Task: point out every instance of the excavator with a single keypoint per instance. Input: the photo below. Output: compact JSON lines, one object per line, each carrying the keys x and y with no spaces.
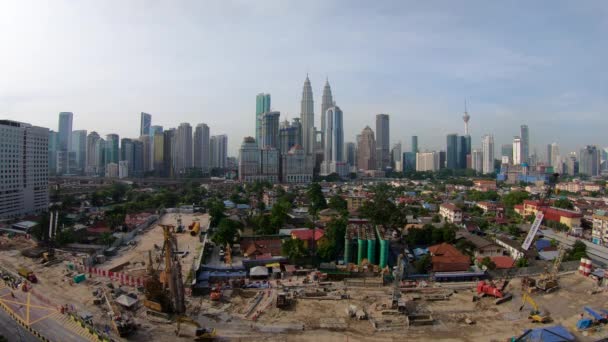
{"x":201,"y":334}
{"x":485,"y":288}
{"x":535,"y":316}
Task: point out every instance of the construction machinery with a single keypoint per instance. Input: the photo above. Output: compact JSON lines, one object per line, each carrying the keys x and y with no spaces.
{"x":201,"y":334}
{"x":491,"y":289}
{"x":284,"y":300}
{"x":535,"y":316}
{"x":397,"y":302}
{"x":167,"y":288}
{"x":48,"y":257}
{"x":27,"y":274}
{"x":548,"y":281}
{"x":216,"y":293}
{"x":122,"y":324}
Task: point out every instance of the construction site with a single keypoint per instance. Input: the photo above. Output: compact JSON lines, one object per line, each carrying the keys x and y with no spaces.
{"x":141,"y":291}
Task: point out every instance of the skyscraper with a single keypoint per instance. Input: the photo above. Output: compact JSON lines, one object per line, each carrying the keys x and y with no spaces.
{"x":350,"y":154}
{"x":427,"y":161}
{"x":477,"y":160}
{"x":270,"y":130}
{"x":487,"y":147}
{"x":383,"y":159}
{"x":24,"y":185}
{"x":452,"y":151}
{"x":52,"y":152}
{"x":262,"y":106}
{"x":145,"y":123}
{"x":414,"y":144}
{"x":589,"y":161}
{"x":155,"y":129}
{"x":93,"y":154}
{"x":334,"y":141}
{"x":249,"y":160}
{"x":201,"y":147}
{"x":396,"y":156}
{"x":219,"y":151}
{"x":517,"y":157}
{"x":290,"y":135}
{"x":158,"y":142}
{"x":525,"y":144}
{"x":112,"y":149}
{"x":168,"y":149}
{"x":184,"y":147}
{"x":65,"y":131}
{"x":555,"y":158}
{"x":506,"y":153}
{"x":366,"y":150}
{"x":307,"y":116}
{"x":327,"y":101}
{"x":79,"y":147}
{"x":127,"y":154}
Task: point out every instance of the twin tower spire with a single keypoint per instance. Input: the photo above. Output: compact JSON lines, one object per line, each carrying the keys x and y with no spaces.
{"x":307,"y":114}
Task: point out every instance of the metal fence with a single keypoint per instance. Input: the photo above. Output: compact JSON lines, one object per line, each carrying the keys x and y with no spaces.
{"x":566,"y":266}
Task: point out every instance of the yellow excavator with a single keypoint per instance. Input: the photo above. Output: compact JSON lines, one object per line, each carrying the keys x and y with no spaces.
{"x":201,"y":334}
{"x":535,"y":315}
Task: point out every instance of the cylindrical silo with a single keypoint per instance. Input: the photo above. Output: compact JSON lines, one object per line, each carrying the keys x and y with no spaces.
{"x":361,"y":250}
{"x":347,"y":247}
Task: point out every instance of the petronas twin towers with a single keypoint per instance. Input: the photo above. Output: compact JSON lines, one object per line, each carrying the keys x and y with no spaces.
{"x":307,"y":115}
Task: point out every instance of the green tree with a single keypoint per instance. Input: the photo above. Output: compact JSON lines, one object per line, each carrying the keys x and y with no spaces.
{"x":515,"y":197}
{"x":293,"y":249}
{"x":423,"y":264}
{"x":278,"y":214}
{"x":436,"y":218}
{"x":339,"y":204}
{"x":521,"y":262}
{"x":466,"y":247}
{"x":334,"y":239}
{"x":107,"y":238}
{"x":488,"y":263}
{"x":216,"y":211}
{"x":578,"y":251}
{"x":316,"y":199}
{"x":563,"y":203}
{"x":226,"y":232}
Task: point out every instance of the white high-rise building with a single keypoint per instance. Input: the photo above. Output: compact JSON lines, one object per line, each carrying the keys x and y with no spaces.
{"x":123,"y":169}
{"x":427,"y":161}
{"x":307,"y":116}
{"x":487,"y":147}
{"x":334,"y":141}
{"x":249,"y":161}
{"x":24,"y":166}
{"x":296,"y":166}
{"x":93,"y":155}
{"x":477,"y":160}
{"x":517,"y":158}
{"x":556,"y":160}
{"x":201,"y":147}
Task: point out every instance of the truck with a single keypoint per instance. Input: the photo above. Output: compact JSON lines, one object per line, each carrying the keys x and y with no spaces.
{"x":27,"y":274}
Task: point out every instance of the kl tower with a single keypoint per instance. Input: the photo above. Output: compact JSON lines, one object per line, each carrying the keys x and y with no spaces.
{"x":466,"y":117}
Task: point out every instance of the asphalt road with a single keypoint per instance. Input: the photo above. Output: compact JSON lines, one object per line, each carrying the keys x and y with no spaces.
{"x":13,"y":331}
{"x":597,"y":253}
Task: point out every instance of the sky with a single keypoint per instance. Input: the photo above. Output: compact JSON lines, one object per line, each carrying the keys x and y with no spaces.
{"x":540,"y":63}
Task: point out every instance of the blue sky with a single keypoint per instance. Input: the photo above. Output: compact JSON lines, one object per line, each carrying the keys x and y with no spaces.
{"x":540,"y":63}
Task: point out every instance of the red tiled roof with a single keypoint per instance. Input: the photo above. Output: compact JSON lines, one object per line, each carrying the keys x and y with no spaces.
{"x":446,"y":258}
{"x":307,"y":234}
{"x":554,"y":214}
{"x":450,"y":206}
{"x":501,"y":262}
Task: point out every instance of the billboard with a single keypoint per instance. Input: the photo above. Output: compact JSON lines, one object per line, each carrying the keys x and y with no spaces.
{"x":528,"y":241}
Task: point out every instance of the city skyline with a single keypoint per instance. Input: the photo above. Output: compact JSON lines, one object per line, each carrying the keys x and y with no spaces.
{"x":496,"y":72}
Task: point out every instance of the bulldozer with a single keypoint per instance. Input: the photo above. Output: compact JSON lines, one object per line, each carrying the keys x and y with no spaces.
{"x":535,"y":316}
{"x":200,"y":334}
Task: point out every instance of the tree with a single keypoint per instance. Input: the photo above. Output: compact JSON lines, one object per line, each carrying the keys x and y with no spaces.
{"x":488,"y":263}
{"x":316,"y":199}
{"x":216,"y":211}
{"x":334,"y":239}
{"x":293,"y":249}
{"x":578,"y":251}
{"x":107,"y":238}
{"x":515,"y":197}
{"x":226,"y":232}
{"x":423,"y":264}
{"x":563,"y":203}
{"x":466,"y":247}
{"x":436,"y":218}
{"x":278,"y":214}
{"x":521,"y":262}
{"x":339,"y":204}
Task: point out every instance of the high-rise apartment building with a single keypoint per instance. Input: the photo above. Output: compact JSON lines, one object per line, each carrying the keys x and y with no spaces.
{"x":201,"y":147}
{"x":366,"y":150}
{"x":249,"y":160}
{"x":307,"y":117}
{"x":414,"y":144}
{"x":24,"y":169}
{"x":145,"y":123}
{"x":290,"y":135}
{"x":159,"y":152}
{"x":168,"y":150}
{"x":334,"y":141}
{"x":262,"y":106}
{"x":93,"y":154}
{"x":79,"y":148}
{"x":589,"y":161}
{"x":184,"y":148}
{"x":427,"y":161}
{"x":487,"y":147}
{"x":477,"y":160}
{"x":383,"y":159}
{"x":525,"y":144}
{"x":517,"y":157}
{"x":270,"y":130}
{"x":219,"y":151}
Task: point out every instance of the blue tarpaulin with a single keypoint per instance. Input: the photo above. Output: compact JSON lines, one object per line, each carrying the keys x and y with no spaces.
{"x":556,"y":333}
{"x":542,"y":244}
{"x":584,"y":323}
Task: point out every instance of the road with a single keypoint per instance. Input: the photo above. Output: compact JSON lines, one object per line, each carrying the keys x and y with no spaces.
{"x":41,"y":317}
{"x":13,"y":331}
{"x":597,"y":253}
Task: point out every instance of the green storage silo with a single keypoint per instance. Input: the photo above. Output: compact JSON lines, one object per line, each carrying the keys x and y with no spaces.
{"x":383,"y":253}
{"x":347,"y":248}
{"x":371,"y":251}
{"x":361,"y":250}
